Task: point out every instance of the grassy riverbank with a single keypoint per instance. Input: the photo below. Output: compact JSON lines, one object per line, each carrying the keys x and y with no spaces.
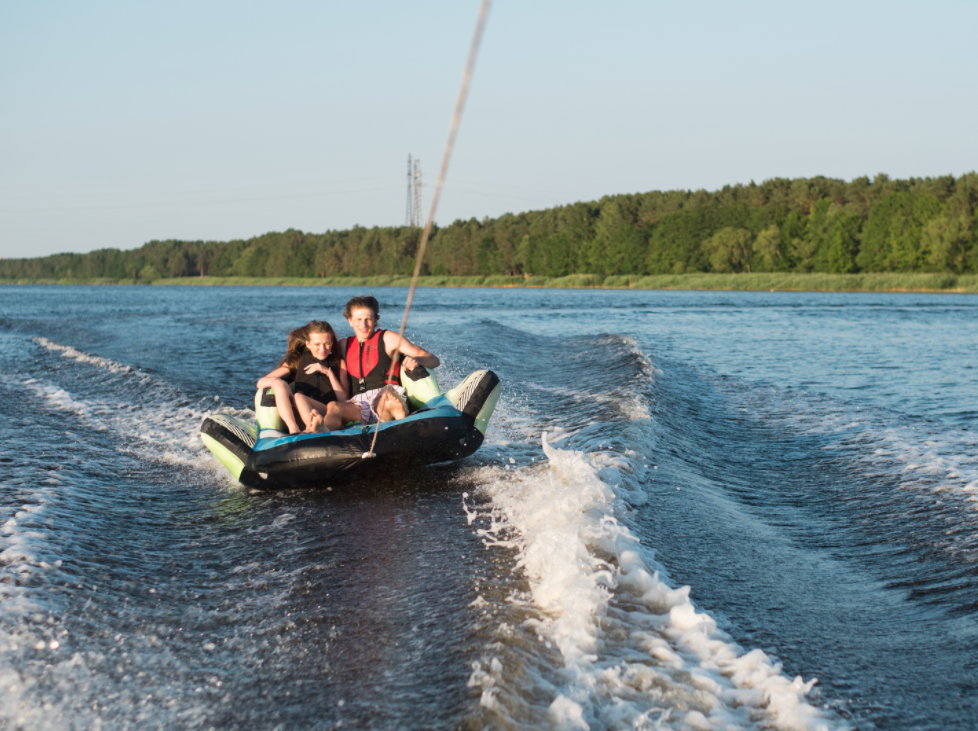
{"x":787,"y":281}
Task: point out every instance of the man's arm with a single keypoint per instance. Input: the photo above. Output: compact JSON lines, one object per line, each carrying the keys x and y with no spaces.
{"x":413,"y":355}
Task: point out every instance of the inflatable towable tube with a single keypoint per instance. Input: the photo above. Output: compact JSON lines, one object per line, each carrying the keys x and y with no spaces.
{"x":440,"y":428}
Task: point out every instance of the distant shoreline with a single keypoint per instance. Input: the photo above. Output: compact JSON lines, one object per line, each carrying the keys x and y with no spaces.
{"x":760,"y":282}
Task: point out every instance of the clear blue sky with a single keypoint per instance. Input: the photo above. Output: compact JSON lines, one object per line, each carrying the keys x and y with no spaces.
{"x":123,"y":122}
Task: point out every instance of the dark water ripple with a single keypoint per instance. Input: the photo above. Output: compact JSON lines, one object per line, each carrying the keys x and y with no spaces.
{"x":846,"y":574}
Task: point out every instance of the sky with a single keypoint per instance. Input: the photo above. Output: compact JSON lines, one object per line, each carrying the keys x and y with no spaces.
{"x":125,"y":122}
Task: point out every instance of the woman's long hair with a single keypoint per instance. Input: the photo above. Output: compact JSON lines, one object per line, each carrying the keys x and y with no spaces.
{"x":295,"y":348}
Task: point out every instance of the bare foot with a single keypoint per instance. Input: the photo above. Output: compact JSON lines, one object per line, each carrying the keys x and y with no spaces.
{"x":315,"y":422}
{"x":392,"y":408}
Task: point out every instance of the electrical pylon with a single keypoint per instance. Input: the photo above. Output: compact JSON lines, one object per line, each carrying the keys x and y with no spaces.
{"x":409,"y":214}
{"x":417,"y":208}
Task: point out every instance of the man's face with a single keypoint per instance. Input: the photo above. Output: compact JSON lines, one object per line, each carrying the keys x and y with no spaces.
{"x":363,"y":322}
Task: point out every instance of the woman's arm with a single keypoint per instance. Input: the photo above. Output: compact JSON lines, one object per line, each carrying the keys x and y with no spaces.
{"x":278,"y":374}
{"x":341,"y":382}
{"x":410,"y":351}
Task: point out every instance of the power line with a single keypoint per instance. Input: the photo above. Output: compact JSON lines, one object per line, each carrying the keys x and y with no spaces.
{"x":199,"y":203}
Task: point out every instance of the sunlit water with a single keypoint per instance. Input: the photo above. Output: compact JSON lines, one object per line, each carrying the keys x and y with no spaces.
{"x":693,"y":510}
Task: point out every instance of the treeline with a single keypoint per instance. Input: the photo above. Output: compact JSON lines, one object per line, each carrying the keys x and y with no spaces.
{"x":802,"y":225}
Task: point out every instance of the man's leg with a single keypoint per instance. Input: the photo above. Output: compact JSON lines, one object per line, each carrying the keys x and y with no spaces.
{"x":390,"y":407}
{"x":339,"y":413}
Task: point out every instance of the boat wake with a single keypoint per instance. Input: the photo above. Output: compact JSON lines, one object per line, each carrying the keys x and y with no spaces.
{"x":634,"y":650}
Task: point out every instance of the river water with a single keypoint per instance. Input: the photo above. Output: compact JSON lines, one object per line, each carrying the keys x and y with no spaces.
{"x":693,"y":510}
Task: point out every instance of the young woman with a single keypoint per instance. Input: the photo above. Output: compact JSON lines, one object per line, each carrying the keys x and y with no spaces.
{"x":279,"y":379}
{"x":321,"y":378}
{"x":374,"y":377}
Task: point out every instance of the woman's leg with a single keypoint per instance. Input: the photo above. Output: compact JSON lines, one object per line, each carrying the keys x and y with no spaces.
{"x":306,"y":406}
{"x":283,"y":403}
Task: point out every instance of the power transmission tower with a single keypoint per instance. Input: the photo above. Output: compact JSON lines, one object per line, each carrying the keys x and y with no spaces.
{"x":417,"y":208}
{"x":409,"y":214}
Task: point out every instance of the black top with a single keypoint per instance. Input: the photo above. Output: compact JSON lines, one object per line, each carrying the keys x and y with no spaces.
{"x":315,"y":385}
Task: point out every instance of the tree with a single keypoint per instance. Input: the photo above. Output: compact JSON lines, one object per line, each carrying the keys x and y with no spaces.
{"x":947,"y":241}
{"x":892,"y":234}
{"x":804,"y":252}
{"x":813,"y":253}
{"x":559,"y":255}
{"x":149,"y":273}
{"x":730,"y":250}
{"x":844,"y":244}
{"x":806,"y":224}
{"x":768,"y":250}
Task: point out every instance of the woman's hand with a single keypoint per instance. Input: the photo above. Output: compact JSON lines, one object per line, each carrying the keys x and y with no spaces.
{"x":278,"y":374}
{"x":316,"y":368}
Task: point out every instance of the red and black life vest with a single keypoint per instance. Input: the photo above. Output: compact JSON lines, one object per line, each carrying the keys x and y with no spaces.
{"x":369,"y":365}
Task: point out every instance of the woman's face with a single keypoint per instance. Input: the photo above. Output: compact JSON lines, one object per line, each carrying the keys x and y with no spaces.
{"x":320,"y":344}
{"x":363,"y":322}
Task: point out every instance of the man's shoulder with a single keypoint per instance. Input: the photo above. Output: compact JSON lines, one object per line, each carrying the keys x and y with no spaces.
{"x":391,"y":337}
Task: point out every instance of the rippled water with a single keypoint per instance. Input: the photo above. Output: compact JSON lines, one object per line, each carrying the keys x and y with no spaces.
{"x":737,"y":495}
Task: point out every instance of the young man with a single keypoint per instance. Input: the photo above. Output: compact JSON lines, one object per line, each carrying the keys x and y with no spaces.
{"x":376,"y":393}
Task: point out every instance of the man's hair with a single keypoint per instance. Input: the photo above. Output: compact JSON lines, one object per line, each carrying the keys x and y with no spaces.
{"x":358,"y":303}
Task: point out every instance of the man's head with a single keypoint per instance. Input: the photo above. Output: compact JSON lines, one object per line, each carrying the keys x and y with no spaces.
{"x":358,"y":303}
{"x":362,"y":313}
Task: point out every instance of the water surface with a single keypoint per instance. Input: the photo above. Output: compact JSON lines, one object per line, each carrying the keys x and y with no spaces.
{"x":741,"y":493}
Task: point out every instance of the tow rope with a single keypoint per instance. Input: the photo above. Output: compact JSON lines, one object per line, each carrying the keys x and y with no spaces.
{"x":449,"y":145}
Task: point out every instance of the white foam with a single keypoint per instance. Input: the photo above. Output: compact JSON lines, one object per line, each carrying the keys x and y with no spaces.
{"x":26,"y":547}
{"x":925,"y":458}
{"x":280,"y":521}
{"x":166,"y":429}
{"x":68,"y":351}
{"x":636,"y":652}
{"x":60,"y":400}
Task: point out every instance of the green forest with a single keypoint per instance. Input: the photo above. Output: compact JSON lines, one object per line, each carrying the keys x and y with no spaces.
{"x":917,"y":225}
